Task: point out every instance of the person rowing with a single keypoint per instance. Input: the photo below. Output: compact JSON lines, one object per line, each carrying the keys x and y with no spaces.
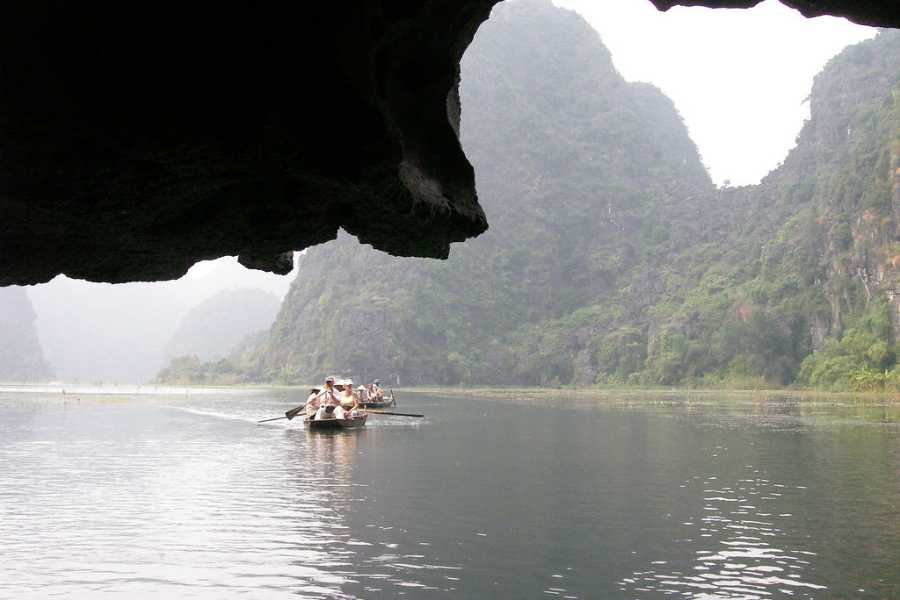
{"x":313,"y":401}
{"x":329,"y":404}
{"x":319,"y":398}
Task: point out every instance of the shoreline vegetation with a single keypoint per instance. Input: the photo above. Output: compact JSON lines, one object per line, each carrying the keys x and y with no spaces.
{"x":857,"y":378}
{"x":488,"y":392}
{"x":654,"y":392}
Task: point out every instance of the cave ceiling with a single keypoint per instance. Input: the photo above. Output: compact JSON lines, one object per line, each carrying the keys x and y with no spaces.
{"x":140,"y":138}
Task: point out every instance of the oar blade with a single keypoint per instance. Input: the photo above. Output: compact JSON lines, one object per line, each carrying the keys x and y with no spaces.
{"x":294,"y":412}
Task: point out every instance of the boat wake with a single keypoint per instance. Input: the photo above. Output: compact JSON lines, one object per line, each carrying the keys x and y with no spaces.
{"x":248,"y":418}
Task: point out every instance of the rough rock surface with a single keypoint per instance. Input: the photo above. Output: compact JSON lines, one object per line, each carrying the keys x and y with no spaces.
{"x":865,"y":12}
{"x":138,"y":139}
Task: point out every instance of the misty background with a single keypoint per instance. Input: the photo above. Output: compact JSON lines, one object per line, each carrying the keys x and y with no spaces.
{"x":738,"y":78}
{"x":100,"y":332}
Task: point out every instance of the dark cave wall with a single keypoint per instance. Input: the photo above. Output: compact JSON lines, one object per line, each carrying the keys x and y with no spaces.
{"x":139,"y":138}
{"x":878,"y":13}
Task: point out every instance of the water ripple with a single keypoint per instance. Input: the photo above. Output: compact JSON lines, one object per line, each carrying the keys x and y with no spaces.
{"x":185,"y":496}
{"x":746,"y":563}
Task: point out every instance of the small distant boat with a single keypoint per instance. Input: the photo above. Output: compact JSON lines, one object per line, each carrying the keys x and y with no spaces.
{"x":386,"y":403}
{"x":324,"y":424}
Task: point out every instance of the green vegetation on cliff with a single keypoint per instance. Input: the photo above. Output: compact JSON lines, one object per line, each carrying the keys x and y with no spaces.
{"x":214,"y":334}
{"x":611,"y":257}
{"x":810,"y":296}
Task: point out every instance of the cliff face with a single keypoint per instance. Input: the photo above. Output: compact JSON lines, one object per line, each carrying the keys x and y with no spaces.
{"x":21,"y":358}
{"x":848,"y":237}
{"x":812,"y":258}
{"x":611,"y":257}
{"x":857,"y":135}
{"x":574,"y":166}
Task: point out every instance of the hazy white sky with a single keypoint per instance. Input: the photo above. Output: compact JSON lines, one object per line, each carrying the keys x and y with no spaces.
{"x":738,"y":77}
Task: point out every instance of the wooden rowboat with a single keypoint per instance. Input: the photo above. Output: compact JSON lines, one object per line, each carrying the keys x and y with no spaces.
{"x":386,"y":403}
{"x":325,"y":424}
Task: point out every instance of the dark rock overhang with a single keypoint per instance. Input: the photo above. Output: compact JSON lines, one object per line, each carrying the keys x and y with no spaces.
{"x":877,"y":13}
{"x":140,"y":138}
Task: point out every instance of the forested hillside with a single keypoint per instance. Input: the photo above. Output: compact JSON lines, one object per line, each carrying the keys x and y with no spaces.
{"x":804,"y":291}
{"x":574,"y":168}
{"x":221,"y":326}
{"x":213,"y":328}
{"x":611,"y":257}
{"x":21,"y":357}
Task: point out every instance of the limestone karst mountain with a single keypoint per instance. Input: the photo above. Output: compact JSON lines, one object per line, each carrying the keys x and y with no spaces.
{"x":575,"y":168}
{"x":611,"y":257}
{"x":21,"y":357}
{"x":213,"y":328}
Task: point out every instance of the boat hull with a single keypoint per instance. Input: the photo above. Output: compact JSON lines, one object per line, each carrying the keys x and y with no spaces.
{"x":375,"y":405}
{"x":333,"y":424}
{"x":388,"y":403}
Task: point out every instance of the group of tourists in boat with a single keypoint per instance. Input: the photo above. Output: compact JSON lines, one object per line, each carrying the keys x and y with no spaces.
{"x":338,"y":404}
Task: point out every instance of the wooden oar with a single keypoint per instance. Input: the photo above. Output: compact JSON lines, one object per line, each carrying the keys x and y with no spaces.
{"x":288,"y":415}
{"x":294,"y":412}
{"x":396,"y":414}
{"x":275,"y":419}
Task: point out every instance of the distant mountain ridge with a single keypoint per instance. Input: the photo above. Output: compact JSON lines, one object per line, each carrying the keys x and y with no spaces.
{"x":213,"y":328}
{"x":611,"y":257}
{"x":21,"y":356}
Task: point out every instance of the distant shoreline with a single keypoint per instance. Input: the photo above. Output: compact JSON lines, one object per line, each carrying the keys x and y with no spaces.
{"x":633,"y":392}
{"x":599,"y":392}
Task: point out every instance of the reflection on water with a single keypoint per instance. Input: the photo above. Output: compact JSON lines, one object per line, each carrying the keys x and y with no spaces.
{"x":746,"y":556}
{"x":185,"y":496}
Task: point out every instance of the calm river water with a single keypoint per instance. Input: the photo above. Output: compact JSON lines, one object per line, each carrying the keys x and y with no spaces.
{"x":185,"y":496}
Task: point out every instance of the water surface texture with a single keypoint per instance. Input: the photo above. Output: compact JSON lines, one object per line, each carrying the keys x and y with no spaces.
{"x":183,"y":495}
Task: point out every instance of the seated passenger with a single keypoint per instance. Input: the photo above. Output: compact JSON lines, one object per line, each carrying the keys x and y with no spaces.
{"x":362,"y":395}
{"x":378,"y":395}
{"x":349,"y":401}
